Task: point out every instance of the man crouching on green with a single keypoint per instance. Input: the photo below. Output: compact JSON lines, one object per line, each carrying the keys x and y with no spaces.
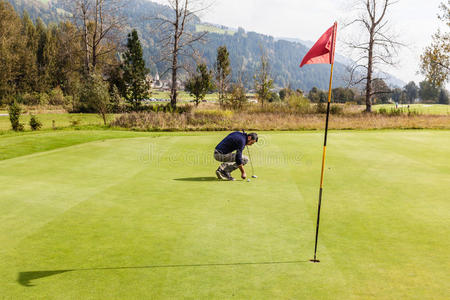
{"x":231,"y":161}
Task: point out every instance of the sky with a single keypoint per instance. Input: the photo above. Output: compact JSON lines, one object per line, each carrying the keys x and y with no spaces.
{"x":413,"y":21}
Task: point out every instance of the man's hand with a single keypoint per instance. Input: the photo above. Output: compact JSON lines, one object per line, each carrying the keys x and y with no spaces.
{"x":243,"y":175}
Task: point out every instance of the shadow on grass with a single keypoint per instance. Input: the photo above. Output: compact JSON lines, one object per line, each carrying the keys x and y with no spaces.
{"x":26,"y":278}
{"x":198,"y":179}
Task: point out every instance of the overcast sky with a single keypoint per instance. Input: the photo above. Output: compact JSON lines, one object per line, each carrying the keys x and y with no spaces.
{"x":415,"y":21}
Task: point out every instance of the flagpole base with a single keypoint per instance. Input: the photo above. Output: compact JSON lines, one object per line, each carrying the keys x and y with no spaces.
{"x":314,"y":260}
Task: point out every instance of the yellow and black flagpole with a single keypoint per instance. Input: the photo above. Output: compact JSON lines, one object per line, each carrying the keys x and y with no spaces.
{"x":323,"y":166}
{"x":315,"y":260}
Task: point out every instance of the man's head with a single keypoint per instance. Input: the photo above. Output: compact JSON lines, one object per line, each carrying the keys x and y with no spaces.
{"x":252,"y":138}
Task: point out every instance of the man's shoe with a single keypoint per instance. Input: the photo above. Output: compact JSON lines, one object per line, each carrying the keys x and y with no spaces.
{"x":221,"y":174}
{"x":228,"y":175}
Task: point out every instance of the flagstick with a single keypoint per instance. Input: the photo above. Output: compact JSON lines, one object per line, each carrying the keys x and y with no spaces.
{"x":315,"y":260}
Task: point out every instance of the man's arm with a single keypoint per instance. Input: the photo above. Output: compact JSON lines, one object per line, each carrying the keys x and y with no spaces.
{"x":243,"y":174}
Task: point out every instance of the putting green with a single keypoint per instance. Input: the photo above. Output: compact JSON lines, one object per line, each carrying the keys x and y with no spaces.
{"x":141,"y":216}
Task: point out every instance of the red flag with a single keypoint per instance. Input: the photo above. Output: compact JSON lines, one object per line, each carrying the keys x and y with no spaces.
{"x":323,"y":50}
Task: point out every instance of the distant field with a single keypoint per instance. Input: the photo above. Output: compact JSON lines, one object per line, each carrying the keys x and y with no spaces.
{"x":61,"y":120}
{"x":434,"y":109}
{"x":213,"y":29}
{"x":182,"y":96}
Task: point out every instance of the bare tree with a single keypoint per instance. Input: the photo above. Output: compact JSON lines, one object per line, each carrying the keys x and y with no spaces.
{"x":99,"y":23}
{"x":263,"y":80}
{"x":178,"y":40}
{"x":376,"y":44}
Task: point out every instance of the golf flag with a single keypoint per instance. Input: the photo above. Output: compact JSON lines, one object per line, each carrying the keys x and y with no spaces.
{"x":322,"y":53}
{"x":323,"y":50}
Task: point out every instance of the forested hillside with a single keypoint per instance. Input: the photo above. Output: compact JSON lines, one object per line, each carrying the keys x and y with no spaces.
{"x":244,"y":47}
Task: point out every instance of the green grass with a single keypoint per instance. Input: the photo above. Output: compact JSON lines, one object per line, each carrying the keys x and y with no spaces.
{"x":141,"y":216}
{"x":213,"y":29}
{"x":428,"y":109}
{"x":61,"y":120}
{"x":182,"y":96}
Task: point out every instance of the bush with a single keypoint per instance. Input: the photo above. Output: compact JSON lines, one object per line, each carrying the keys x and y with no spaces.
{"x":321,"y":108}
{"x":14,"y":116}
{"x":56,"y":96}
{"x":299,"y":103}
{"x":336,"y":109}
{"x":35,"y":124}
{"x":30,"y":98}
{"x":44,"y":99}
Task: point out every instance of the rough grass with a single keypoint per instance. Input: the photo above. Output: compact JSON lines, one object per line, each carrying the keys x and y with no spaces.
{"x":276,"y":121}
{"x":275,"y":116}
{"x":144,"y":218}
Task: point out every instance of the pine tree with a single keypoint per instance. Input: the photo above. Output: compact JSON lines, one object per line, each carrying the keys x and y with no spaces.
{"x":134,"y":75}
{"x":27,"y":77}
{"x":10,"y":41}
{"x":201,"y":83}
{"x":223,"y":72}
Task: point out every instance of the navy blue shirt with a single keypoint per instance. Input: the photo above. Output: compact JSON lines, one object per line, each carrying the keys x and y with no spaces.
{"x":234,"y":141}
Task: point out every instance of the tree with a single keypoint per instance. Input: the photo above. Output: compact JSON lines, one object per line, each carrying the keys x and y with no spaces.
{"x":411,"y":91}
{"x":15,"y":111}
{"x":381,"y":90}
{"x":134,"y":71}
{"x":201,"y":83}
{"x":376,"y":46}
{"x":396,"y":95}
{"x":443,"y":97}
{"x":27,"y":77}
{"x":343,"y":95}
{"x":223,"y":72}
{"x":317,"y":96}
{"x":263,"y":81}
{"x":238,"y":97}
{"x":10,"y":42}
{"x":99,"y":23}
{"x":436,"y":58}
{"x":177,"y":40}
{"x":96,"y":95}
{"x":428,"y":92}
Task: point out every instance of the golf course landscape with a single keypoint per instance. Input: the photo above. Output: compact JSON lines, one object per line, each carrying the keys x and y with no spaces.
{"x":105,"y":214}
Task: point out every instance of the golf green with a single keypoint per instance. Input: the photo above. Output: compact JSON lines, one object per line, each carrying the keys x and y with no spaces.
{"x":125,"y":215}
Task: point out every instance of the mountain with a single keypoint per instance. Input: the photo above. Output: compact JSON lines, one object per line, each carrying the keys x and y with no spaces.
{"x":245,"y":47}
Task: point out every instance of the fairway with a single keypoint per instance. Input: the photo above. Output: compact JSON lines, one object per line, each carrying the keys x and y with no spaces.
{"x":128,"y":215}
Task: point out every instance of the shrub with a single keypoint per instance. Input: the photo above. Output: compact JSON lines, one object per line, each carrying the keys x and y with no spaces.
{"x":31,"y":98}
{"x":14,"y":116}
{"x":382,"y":111}
{"x":299,"y":103}
{"x":44,"y":99}
{"x":56,"y":96}
{"x":336,"y":109}
{"x":321,"y":108}
{"x":35,"y":124}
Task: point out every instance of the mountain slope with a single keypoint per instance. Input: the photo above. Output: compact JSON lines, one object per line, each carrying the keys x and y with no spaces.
{"x":244,"y":47}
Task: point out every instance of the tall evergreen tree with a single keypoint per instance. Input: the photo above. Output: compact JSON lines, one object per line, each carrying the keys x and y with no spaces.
{"x":223,"y":72}
{"x":10,"y":42}
{"x":134,"y":75}
{"x":27,"y":77}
